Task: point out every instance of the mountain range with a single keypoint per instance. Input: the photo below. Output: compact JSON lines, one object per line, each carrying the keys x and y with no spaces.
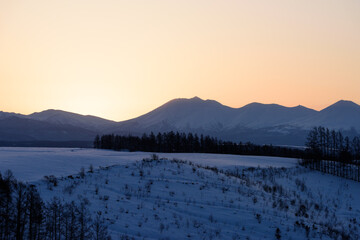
{"x":255,"y":122}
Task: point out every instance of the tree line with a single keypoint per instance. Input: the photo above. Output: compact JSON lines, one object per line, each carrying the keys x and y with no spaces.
{"x":175,"y":142}
{"x":326,"y":150}
{"x":24,"y":215}
{"x":331,"y":152}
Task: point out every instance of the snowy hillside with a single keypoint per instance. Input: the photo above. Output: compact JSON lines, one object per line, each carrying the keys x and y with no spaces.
{"x":196,"y":196}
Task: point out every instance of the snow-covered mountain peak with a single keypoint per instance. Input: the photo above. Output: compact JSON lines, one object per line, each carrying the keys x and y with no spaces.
{"x":342,"y":105}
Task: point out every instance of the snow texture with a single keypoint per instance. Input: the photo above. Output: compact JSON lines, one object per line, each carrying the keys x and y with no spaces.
{"x":195,"y":196}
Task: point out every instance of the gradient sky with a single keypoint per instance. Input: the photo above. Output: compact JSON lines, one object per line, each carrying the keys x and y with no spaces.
{"x":119,"y":59}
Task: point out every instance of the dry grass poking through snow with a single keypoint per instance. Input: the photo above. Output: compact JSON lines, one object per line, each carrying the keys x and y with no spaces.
{"x":175,"y":199}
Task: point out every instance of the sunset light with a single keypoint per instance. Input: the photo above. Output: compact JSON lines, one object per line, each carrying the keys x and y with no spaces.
{"x":121,"y":59}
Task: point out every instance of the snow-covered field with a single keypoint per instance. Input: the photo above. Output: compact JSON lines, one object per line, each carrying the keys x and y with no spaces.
{"x":196,"y":196}
{"x":31,"y":164}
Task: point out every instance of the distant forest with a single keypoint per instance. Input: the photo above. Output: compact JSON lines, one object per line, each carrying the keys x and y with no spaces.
{"x":175,"y":142}
{"x":326,"y":150}
{"x":322,"y":143}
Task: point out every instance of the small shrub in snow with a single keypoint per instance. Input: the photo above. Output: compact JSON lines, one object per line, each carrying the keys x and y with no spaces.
{"x":91,"y":168}
{"x":211,"y":218}
{"x":154,"y":157}
{"x":69,"y":188}
{"x":51,"y":181}
{"x":161,"y":227}
{"x":258,"y":217}
{"x":278,"y":234}
{"x":302,"y":211}
{"x":128,"y":195}
{"x":301,"y":185}
{"x":82,"y":172}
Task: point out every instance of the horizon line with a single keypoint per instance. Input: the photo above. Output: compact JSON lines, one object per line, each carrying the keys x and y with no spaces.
{"x":180,"y":98}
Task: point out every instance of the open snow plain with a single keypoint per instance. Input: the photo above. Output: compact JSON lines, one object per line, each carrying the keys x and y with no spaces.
{"x":195,"y":196}
{"x":31,"y":164}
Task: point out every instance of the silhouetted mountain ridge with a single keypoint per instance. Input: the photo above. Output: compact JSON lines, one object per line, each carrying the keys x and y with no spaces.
{"x":68,"y":118}
{"x":256,"y":122}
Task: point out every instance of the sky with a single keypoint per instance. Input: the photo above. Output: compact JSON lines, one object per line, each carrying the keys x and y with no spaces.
{"x":119,"y":59}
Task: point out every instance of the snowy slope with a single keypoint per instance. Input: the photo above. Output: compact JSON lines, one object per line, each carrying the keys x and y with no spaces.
{"x":175,"y":199}
{"x":31,"y":164}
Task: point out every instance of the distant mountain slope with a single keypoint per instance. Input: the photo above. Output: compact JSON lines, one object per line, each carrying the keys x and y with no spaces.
{"x":60,"y":117}
{"x":182,"y":115}
{"x":22,"y":129}
{"x":195,"y":113}
{"x":257,"y":115}
{"x":259,"y":123}
{"x":4,"y":115}
{"x":255,"y":122}
{"x":341,"y":115}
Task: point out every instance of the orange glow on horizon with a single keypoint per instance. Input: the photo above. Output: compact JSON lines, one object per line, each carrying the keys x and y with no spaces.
{"x":121,"y":59}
